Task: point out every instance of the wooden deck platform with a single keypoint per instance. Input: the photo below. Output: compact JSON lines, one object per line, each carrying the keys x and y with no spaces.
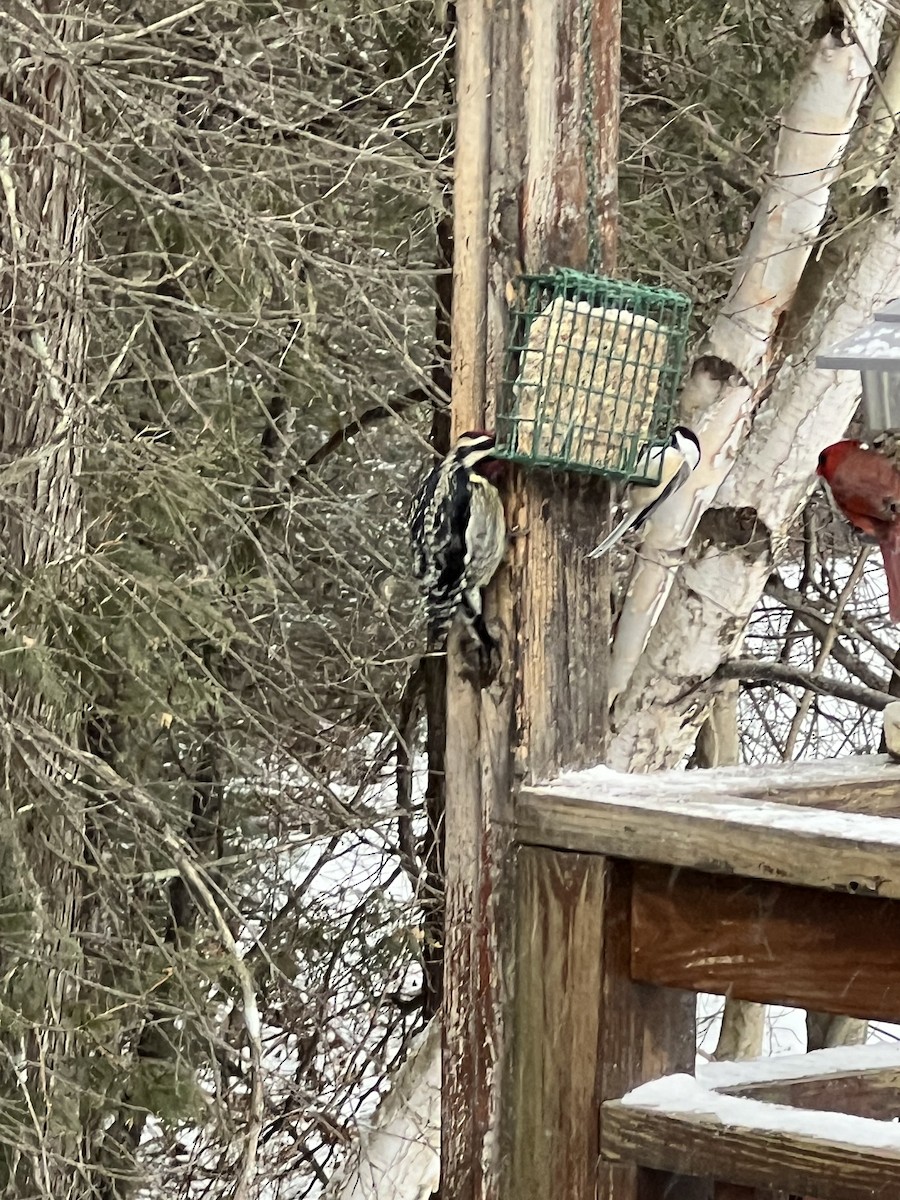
{"x":833,"y":825}
{"x":775,"y":884}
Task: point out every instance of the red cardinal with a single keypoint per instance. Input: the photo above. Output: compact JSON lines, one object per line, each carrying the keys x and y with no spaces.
{"x":865,"y":485}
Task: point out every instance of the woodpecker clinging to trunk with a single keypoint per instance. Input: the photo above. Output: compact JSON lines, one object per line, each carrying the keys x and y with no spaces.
{"x":459,"y":537}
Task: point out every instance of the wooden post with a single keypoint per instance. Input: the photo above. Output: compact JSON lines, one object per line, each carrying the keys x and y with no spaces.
{"x":522,"y":201}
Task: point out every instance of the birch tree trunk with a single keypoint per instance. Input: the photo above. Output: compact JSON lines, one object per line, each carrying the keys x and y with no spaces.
{"x":742,"y":345}
{"x":42,"y":333}
{"x":723,"y":578}
{"x":684,"y":614}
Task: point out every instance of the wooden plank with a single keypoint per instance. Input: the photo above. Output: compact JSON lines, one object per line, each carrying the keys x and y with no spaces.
{"x":773,"y":943}
{"x":843,"y":784}
{"x":857,"y":853}
{"x":874,"y":1094}
{"x":874,"y":1058}
{"x":519,"y":201}
{"x":757,"y":1158}
{"x":555,"y":1023}
{"x":580,"y":1030}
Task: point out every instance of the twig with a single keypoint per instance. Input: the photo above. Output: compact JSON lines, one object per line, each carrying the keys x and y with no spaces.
{"x":817,"y":621}
{"x":380,"y":412}
{"x":825,"y":649}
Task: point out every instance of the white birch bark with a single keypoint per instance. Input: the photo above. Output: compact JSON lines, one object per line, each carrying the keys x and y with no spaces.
{"x":719,"y":398}
{"x":717,"y":588}
{"x":397,"y":1153}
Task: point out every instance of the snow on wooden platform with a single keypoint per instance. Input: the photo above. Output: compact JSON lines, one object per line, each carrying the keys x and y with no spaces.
{"x":686,"y":1097}
{"x":830,"y":824}
{"x":687,"y":1124}
{"x":789,"y":1068}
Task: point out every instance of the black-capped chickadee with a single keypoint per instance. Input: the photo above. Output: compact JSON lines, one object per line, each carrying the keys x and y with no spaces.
{"x":680,"y":456}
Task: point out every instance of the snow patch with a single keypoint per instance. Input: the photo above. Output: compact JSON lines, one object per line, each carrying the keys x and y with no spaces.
{"x":685,"y":1096}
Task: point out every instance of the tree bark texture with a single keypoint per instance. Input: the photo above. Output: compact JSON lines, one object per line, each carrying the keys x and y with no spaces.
{"x":726,"y":384}
{"x":42,"y":355}
{"x":520,"y":202}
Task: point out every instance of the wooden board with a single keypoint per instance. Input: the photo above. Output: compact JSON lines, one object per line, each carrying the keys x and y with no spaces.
{"x":861,"y":1080}
{"x":730,"y":834}
{"x":866,"y":783}
{"x":773,"y":943}
{"x":875,"y":1095}
{"x":555,"y":1025}
{"x":697,"y":1143}
{"x":581,"y":1030}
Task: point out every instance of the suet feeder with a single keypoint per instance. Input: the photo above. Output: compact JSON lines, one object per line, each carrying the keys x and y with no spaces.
{"x":874,"y":351}
{"x":592,"y":371}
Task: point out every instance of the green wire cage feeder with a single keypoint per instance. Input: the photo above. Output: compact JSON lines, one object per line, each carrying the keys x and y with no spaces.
{"x":592,"y":371}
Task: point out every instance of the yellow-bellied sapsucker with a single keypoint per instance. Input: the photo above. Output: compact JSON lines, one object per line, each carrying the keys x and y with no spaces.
{"x":459,"y":537}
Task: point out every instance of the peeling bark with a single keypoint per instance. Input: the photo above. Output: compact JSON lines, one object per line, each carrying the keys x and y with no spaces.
{"x":717,"y":587}
{"x":743,"y":343}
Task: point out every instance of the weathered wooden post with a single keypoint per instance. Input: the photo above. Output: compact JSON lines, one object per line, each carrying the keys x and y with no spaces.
{"x":539,"y":1008}
{"x":520,"y":201}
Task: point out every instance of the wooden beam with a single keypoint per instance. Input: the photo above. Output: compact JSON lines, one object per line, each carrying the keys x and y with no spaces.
{"x":762,"y":1158}
{"x":768,"y":942}
{"x":583,"y":1031}
{"x":471,"y":999}
{"x":684,"y":824}
{"x":520,"y":203}
{"x":874,"y":1094}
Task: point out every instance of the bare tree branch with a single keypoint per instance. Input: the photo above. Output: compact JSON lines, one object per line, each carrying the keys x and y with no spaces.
{"x":751,"y":670}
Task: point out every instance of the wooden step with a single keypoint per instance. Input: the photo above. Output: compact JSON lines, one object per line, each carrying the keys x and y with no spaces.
{"x":715,"y":1125}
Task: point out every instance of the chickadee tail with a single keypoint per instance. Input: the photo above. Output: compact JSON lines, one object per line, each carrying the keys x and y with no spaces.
{"x":617,"y":534}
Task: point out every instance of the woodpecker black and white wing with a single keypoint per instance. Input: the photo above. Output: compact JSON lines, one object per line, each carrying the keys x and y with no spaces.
{"x":438,"y":528}
{"x":458,"y":536}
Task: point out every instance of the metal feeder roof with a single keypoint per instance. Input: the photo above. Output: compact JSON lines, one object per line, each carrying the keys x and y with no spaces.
{"x":875,"y":347}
